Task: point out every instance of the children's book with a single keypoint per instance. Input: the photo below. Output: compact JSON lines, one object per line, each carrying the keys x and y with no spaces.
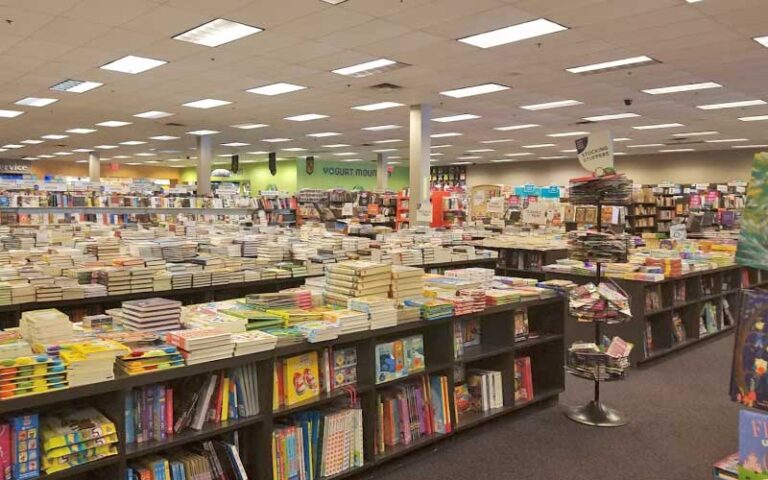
{"x":302,"y":378}
{"x":753,"y":445}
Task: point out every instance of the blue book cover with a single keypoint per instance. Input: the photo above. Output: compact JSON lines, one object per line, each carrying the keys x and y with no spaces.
{"x":753,"y":445}
{"x":130,"y":428}
{"x":436,"y":398}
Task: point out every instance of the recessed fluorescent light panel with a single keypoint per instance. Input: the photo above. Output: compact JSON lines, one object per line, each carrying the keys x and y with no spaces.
{"x":517,"y":127}
{"x":749,"y":146}
{"x":206,"y":103}
{"x":377,"y":106}
{"x":676,"y":150}
{"x":380,"y":128}
{"x":389,"y":140}
{"x":203,"y":132}
{"x":446,"y":135}
{"x":553,"y":157}
{"x":10,"y":113}
{"x":728,"y":140}
{"x":336,"y":145}
{"x":541,"y":145}
{"x":658,"y":126}
{"x":613,"y":65}
{"x":622,"y":139}
{"x":235,"y":144}
{"x":153,"y":114}
{"x":75,"y":86}
{"x":646,"y":145}
{"x":133,"y":142}
{"x":133,"y":64}
{"x":105,"y":147}
{"x":306,"y":117}
{"x":294,"y":149}
{"x":694,"y":134}
{"x":81,"y":131}
{"x":755,"y":118}
{"x":475,"y":90}
{"x":613,"y":116}
{"x":82,"y":150}
{"x":53,"y":136}
{"x":456,"y":118}
{"x":165,"y":138}
{"x":513,"y":33}
{"x":250,"y":126}
{"x":385,"y":150}
{"x":762,"y":40}
{"x":36,"y":102}
{"x":12,"y":146}
{"x":32,"y":142}
{"x":276,"y":89}
{"x":345,"y":154}
{"x":434,"y":147}
{"x":276,"y":140}
{"x":567,"y":134}
{"x":551,"y":105}
{"x":502,"y":160}
{"x":323,"y":134}
{"x":217,"y":32}
{"x":113,"y":124}
{"x":370,"y":68}
{"x":720,"y":106}
{"x":500,"y":140}
{"x":690,"y":87}
{"x":481,"y":150}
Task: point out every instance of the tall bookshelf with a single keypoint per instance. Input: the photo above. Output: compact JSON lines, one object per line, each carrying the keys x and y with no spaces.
{"x":497,"y":350}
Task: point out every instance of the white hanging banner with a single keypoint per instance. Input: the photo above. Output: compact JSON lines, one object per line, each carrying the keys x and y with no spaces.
{"x":596,"y":151}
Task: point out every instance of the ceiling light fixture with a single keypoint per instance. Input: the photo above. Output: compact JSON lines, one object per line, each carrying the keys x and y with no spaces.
{"x":647,"y":145}
{"x":481,"y":150}
{"x":235,"y":144}
{"x":380,"y":128}
{"x":622,"y":139}
{"x":217,"y":32}
{"x":435,"y":147}
{"x":727,"y":140}
{"x":53,"y":136}
{"x":133,"y":64}
{"x":755,"y":118}
{"x":323,"y":134}
{"x":695,"y":134}
{"x":389,"y":140}
{"x":276,"y":89}
{"x":276,"y":140}
{"x":75,"y":86}
{"x":613,"y":65}
{"x":500,"y":140}
{"x":206,"y":103}
{"x":306,"y":117}
{"x":517,"y":127}
{"x":345,"y":154}
{"x":203,"y":132}
{"x":676,"y":150}
{"x":144,"y":154}
{"x":749,"y":146}
{"x":81,"y":131}
{"x":36,"y":101}
{"x":377,"y":106}
{"x":554,"y":157}
{"x":456,"y":118}
{"x":551,"y":105}
{"x":133,"y":142}
{"x":475,"y":90}
{"x":83,"y":150}
{"x":613,"y":116}
{"x":369,"y":68}
{"x":113,"y":124}
{"x":689,"y":87}
{"x":10,"y":113}
{"x":336,"y":145}
{"x":165,"y":138}
{"x":105,"y":147}
{"x":513,"y":33}
{"x":385,"y":150}
{"x":540,"y":145}
{"x":32,"y":142}
{"x":153,"y":114}
{"x":761,"y":40}
{"x":567,"y":134}
{"x":720,"y":106}
{"x":62,"y":154}
{"x":249,"y":126}
{"x":294,"y":149}
{"x":658,"y":126}
{"x":502,"y":160}
{"x":12,"y":146}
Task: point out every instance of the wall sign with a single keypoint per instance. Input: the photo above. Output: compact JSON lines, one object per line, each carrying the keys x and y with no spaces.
{"x":15,"y":166}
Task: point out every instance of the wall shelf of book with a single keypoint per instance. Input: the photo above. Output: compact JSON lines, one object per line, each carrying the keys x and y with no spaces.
{"x":678,"y":312}
{"x":273,"y":413}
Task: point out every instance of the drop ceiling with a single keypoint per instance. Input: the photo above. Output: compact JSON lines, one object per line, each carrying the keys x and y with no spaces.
{"x":43,"y":43}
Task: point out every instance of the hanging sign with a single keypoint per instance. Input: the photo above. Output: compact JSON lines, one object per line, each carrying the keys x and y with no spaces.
{"x":596,"y":151}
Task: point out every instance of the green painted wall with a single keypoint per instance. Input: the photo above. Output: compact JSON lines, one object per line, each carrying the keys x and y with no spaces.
{"x":257,"y":173}
{"x":292,"y":175}
{"x":330,"y":174}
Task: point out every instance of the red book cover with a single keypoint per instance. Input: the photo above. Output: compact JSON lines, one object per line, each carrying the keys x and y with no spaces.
{"x":5,"y":451}
{"x":219,"y":399}
{"x":169,"y":410}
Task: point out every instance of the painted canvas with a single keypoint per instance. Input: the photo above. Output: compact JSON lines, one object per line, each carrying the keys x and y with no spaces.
{"x":753,"y":244}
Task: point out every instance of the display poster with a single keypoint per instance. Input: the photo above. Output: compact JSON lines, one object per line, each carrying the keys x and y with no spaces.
{"x":753,"y":242}
{"x":596,"y":151}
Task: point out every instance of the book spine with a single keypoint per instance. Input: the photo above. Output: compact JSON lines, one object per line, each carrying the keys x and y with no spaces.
{"x":130,"y":430}
{"x":169,"y":410}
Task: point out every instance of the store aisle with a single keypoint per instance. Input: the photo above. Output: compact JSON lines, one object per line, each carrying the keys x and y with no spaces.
{"x":682,"y":421}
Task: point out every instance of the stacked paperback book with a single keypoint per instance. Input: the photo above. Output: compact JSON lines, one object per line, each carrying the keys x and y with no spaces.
{"x":353,"y":279}
{"x":382,"y":312}
{"x":152,"y":314}
{"x":253,"y":342}
{"x":200,"y":345}
{"x":149,"y":359}
{"x":92,"y":361}
{"x":45,"y":326}
{"x":349,"y":321}
{"x":75,"y":436}
{"x":407,"y":282}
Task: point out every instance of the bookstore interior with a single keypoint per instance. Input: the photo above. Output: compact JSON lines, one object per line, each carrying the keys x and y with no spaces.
{"x":299,"y":240}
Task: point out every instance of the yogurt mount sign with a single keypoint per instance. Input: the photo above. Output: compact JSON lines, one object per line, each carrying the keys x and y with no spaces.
{"x":328,"y":174}
{"x":348,"y":171}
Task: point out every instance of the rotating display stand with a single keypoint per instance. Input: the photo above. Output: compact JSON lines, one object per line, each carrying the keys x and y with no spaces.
{"x":596,"y":413}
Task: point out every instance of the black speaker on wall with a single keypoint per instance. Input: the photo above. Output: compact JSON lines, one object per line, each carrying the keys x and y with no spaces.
{"x":235,"y":164}
{"x":272,"y":163}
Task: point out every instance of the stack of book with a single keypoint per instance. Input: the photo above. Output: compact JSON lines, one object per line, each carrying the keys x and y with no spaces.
{"x":75,"y":436}
{"x":48,"y":293}
{"x":142,"y":280}
{"x":350,"y":321}
{"x":318,"y":444}
{"x":45,"y":326}
{"x":154,"y":264}
{"x":152,"y":314}
{"x":117,"y":280}
{"x":13,"y":346}
{"x":407,"y":282}
{"x":253,"y":342}
{"x":407,"y":314}
{"x":476,"y":298}
{"x":199,"y":345}
{"x":272,"y":301}
{"x":382,"y":312}
{"x":22,"y":292}
{"x":149,"y":359}
{"x":495,"y":297}
{"x":5,"y":293}
{"x":431,"y":308}
{"x":319,"y":331}
{"x":161,"y":281}
{"x":91,"y":290}
{"x":352,"y":279}
{"x":92,"y":361}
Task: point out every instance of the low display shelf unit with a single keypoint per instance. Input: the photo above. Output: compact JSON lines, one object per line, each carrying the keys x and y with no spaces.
{"x":674,"y":313}
{"x":526,"y":261}
{"x":496,"y":350}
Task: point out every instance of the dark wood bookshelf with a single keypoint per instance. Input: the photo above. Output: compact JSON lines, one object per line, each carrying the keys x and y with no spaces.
{"x":497,"y":351}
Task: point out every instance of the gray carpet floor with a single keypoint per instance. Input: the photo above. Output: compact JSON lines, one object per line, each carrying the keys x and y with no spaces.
{"x":681,"y":422}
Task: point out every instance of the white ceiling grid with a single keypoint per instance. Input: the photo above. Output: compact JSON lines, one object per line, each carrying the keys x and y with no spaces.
{"x":303,"y":40}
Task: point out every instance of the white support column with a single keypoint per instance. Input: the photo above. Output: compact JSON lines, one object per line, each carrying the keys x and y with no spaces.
{"x":204,"y":160}
{"x":94,"y":167}
{"x":381,"y":172}
{"x":419,"y":156}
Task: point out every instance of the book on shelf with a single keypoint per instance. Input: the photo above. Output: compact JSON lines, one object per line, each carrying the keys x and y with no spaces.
{"x":726,"y":468}
{"x":523,"y":380}
{"x":485,"y":389}
{"x":399,"y":358}
{"x":297,"y":379}
{"x":753,"y":444}
{"x":212,"y":459}
{"x":73,"y":436}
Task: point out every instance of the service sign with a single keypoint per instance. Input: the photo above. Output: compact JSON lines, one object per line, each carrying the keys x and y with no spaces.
{"x":596,"y":151}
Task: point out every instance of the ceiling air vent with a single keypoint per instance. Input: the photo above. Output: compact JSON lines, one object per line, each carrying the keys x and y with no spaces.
{"x":385,"y":87}
{"x":174,"y":124}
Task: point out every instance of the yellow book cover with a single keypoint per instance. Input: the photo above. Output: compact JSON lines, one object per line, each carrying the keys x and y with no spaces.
{"x":225,"y":400}
{"x":301,"y":380}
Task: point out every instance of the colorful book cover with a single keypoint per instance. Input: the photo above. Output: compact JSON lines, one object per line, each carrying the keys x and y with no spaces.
{"x":413,"y":352}
{"x":302,"y":379}
{"x":753,"y":445}
{"x":385,"y":362}
{"x":753,"y":242}
{"x":749,"y":372}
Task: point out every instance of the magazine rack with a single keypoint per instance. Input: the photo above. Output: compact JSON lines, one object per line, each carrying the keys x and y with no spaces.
{"x":596,"y":413}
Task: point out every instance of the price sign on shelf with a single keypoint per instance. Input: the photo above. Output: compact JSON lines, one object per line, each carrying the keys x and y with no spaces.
{"x":678,"y":232}
{"x":722,"y":188}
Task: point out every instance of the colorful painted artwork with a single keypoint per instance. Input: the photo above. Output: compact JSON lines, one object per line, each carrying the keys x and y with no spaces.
{"x":753,"y":244}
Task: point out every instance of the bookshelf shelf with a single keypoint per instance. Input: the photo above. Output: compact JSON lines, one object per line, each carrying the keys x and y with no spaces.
{"x":547,"y":360}
{"x":136,"y":450}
